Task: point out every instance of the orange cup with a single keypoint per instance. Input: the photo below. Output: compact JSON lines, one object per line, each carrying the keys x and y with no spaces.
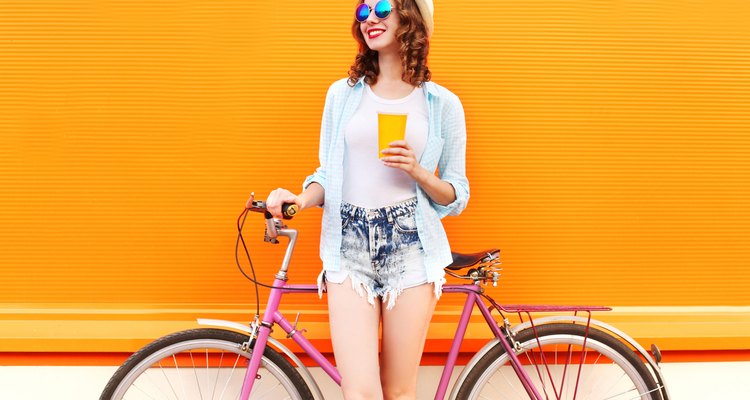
{"x":391,"y":127}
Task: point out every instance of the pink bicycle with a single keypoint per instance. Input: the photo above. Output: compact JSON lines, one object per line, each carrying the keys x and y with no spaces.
{"x":569,"y":356}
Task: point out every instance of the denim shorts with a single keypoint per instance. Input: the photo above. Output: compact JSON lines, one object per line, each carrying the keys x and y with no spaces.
{"x":380,"y":252}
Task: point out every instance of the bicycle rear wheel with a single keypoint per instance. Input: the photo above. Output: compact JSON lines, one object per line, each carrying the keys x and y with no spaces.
{"x":563,"y":362}
{"x":202,"y":364}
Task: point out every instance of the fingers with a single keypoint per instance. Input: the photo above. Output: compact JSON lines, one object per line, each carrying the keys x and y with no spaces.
{"x":398,"y":147}
{"x":400,"y":143}
{"x":399,"y":150}
{"x":396,"y":151}
{"x":277,"y":198}
{"x":398,"y":160}
{"x":399,"y":155}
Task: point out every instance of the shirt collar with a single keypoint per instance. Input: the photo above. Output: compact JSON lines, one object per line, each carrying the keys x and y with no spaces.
{"x":429,"y":87}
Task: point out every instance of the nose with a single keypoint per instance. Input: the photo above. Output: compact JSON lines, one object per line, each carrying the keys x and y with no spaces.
{"x":372,"y":18}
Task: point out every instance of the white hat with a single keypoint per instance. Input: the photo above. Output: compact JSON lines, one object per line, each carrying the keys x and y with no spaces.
{"x":427,"y":9}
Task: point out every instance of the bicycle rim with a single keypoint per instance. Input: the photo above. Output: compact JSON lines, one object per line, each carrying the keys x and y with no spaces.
{"x":561,"y":366}
{"x":202,"y":368}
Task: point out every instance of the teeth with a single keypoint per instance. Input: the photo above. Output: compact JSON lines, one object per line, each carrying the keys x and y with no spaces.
{"x":376,"y":32}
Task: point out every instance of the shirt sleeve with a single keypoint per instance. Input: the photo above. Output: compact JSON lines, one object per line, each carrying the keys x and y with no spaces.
{"x":326,"y":132}
{"x":452,"y":164}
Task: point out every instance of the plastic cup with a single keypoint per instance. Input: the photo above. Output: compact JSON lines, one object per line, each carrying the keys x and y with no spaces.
{"x":391,"y":127}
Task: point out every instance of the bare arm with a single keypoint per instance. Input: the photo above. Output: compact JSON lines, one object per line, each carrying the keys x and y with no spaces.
{"x":400,"y":155}
{"x":313,"y":196}
{"x":438,"y":190}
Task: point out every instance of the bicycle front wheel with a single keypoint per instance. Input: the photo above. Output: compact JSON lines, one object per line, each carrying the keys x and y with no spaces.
{"x":564,"y":361}
{"x":203,"y":364}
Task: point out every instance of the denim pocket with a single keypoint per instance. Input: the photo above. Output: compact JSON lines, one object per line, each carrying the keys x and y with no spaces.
{"x":406,"y":223}
{"x":346,"y":220}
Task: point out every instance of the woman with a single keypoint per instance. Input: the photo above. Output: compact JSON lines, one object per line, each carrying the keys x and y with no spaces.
{"x":381,"y":236}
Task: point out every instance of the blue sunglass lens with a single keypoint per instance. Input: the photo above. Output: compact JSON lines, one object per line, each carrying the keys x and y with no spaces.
{"x":362,"y":12}
{"x":382,"y":9}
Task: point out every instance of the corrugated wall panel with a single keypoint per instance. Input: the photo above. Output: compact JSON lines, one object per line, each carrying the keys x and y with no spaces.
{"x":609,"y":147}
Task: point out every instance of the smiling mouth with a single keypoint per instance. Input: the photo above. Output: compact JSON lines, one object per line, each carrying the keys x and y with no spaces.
{"x":375,"y":33}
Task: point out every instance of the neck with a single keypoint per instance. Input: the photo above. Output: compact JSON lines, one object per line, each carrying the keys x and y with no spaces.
{"x":390,"y":66}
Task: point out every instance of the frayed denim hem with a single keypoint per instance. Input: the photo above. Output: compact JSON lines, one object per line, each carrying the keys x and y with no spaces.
{"x":389,"y":296}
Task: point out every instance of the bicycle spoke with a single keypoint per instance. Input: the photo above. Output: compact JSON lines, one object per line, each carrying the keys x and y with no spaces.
{"x":622,"y":376}
{"x":638,"y":395}
{"x":566,"y":379}
{"x":218,"y":372}
{"x":581,"y":363}
{"x":564,"y":362}
{"x":168,"y":381}
{"x":195,"y":372}
{"x":569,"y":354}
{"x":494,"y":388}
{"x":549,"y":373}
{"x":263,"y":395}
{"x":596,"y":362}
{"x":153,"y":372}
{"x":179,"y":376}
{"x":148,"y":381}
{"x":208,"y":376}
{"x":512,"y":386}
{"x":542,"y":378}
{"x":230,"y":377}
{"x":144,"y":392}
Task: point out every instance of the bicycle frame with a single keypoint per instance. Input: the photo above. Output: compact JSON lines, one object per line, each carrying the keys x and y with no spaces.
{"x":473,"y":297}
{"x":260,"y":333}
{"x":272,"y":316}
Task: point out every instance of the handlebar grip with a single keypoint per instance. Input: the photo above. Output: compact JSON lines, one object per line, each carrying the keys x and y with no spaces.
{"x":289,"y":210}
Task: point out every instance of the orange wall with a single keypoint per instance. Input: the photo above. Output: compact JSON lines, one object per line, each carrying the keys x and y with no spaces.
{"x":609,"y":144}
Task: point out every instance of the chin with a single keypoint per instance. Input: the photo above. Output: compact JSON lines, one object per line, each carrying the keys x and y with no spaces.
{"x":375,"y":48}
{"x":379,"y":46}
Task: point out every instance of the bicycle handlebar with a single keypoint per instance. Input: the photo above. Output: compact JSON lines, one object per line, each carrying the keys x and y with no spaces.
{"x":288,"y":211}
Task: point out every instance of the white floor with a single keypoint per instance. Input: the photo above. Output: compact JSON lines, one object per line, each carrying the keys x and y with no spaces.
{"x":686,"y":381}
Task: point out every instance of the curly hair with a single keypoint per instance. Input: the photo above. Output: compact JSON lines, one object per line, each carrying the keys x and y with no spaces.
{"x":415,"y":45}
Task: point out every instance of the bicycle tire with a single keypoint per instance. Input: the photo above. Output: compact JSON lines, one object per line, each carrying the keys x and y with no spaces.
{"x":483,"y":378}
{"x":144,"y":368}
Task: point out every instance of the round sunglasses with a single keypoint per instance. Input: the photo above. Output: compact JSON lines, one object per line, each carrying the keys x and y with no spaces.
{"x":382,"y":10}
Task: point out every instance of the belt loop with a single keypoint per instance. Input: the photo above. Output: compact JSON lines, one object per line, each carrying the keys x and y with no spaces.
{"x":389,"y":214}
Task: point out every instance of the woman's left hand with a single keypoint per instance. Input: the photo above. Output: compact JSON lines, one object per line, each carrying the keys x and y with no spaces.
{"x":400,"y":155}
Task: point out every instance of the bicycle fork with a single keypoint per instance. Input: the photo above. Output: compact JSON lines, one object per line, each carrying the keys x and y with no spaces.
{"x":263,"y":331}
{"x":263,"y":328}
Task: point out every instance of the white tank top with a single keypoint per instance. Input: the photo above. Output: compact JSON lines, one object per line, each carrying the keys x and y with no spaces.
{"x":367,"y":182}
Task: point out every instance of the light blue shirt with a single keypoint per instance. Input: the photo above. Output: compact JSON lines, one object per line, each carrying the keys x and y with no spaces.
{"x":445,"y":151}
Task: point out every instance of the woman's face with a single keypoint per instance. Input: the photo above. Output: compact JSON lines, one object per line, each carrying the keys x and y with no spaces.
{"x":380,"y":34}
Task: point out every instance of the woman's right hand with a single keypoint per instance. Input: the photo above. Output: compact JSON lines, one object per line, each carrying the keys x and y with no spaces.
{"x":277,"y":198}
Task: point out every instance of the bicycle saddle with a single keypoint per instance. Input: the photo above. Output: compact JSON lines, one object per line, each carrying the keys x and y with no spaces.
{"x":461,"y":260}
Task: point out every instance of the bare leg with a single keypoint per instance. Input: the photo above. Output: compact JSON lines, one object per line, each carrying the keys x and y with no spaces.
{"x":404,"y":334}
{"x":354,"y":333}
